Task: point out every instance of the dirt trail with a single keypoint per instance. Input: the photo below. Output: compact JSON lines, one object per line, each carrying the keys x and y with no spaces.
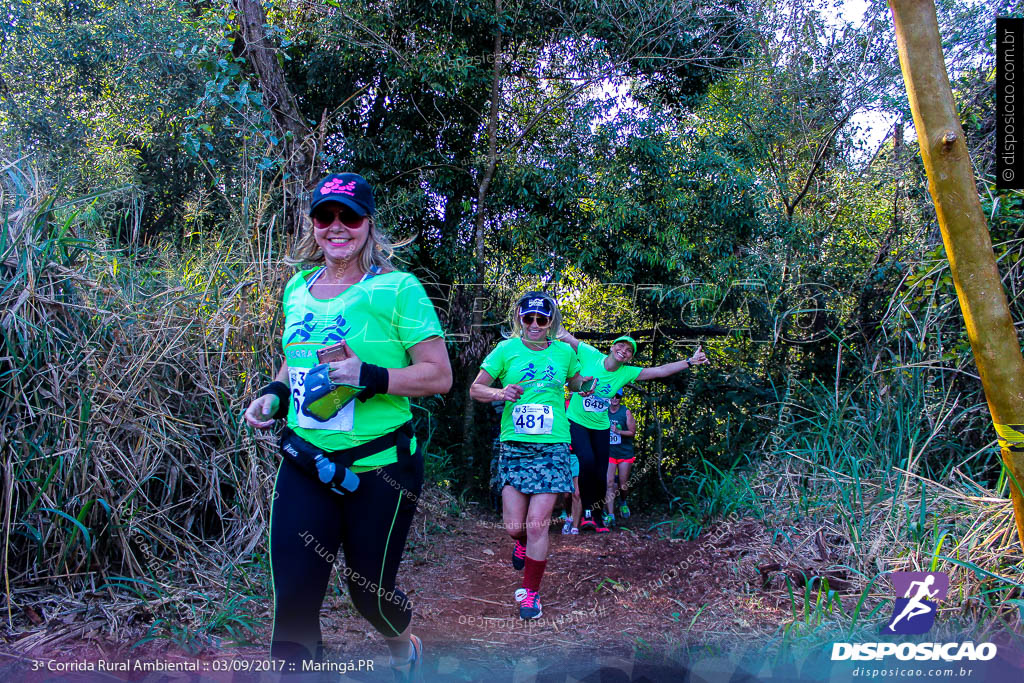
{"x":626,"y":600}
{"x":616,"y":595}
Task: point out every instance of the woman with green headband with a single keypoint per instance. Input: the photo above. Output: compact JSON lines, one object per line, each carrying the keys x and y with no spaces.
{"x":588,"y":415}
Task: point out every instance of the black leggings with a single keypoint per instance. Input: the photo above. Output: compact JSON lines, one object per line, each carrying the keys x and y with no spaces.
{"x":308,"y":523}
{"x":591,"y":448}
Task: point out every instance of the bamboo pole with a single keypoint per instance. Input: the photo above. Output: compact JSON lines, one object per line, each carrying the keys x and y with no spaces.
{"x":964,"y":232}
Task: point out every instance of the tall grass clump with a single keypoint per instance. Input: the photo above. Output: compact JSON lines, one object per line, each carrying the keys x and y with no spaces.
{"x":881,"y":477}
{"x":127,"y":472}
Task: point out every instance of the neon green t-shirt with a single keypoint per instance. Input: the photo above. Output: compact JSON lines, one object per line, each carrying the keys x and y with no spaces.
{"x":592,"y":411}
{"x":379,"y":318}
{"x":539,"y":414}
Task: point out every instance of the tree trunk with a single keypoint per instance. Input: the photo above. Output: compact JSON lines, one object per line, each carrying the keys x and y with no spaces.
{"x":294,"y":133}
{"x":479,"y":225}
{"x":964,"y":232}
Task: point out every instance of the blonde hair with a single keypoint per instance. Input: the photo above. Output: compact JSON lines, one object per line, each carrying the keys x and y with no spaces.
{"x":516,"y":325}
{"x":377,"y":251}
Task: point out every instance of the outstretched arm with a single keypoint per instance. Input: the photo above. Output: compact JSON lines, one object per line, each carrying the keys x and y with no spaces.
{"x":669,"y":369}
{"x":565,"y":336}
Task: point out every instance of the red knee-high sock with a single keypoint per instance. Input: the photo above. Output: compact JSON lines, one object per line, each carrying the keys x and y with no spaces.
{"x":533,"y":573}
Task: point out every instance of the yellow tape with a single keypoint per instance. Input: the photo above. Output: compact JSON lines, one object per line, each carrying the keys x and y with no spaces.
{"x":1011,"y":437}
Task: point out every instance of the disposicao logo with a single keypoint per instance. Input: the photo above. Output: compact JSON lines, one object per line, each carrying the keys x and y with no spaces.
{"x":914,"y":613}
{"x":917,"y":598}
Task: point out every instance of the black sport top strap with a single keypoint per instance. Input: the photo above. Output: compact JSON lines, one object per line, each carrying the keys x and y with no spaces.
{"x":401,"y":438}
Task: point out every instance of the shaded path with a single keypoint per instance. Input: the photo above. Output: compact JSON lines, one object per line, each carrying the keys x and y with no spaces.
{"x":624,"y":603}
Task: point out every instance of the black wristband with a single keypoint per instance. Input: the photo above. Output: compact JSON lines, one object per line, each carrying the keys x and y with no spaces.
{"x":284,"y":395}
{"x":374,"y":378}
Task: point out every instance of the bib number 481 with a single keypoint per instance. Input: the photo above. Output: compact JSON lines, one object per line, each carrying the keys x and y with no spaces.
{"x":532,"y":418}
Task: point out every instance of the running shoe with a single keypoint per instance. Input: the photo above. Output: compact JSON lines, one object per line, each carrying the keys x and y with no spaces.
{"x":519,"y":594}
{"x":574,"y":532}
{"x":624,"y":511}
{"x":411,"y":671}
{"x":587,"y":521}
{"x":609,"y":521}
{"x":602,"y":530}
{"x":567,"y":527}
{"x":529,"y":606}
{"x":519,"y":556}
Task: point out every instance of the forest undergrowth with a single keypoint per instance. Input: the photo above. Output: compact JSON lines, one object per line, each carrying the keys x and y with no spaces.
{"x":135,"y":502}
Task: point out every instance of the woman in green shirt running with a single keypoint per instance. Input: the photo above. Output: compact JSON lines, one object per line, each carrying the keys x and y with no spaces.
{"x":588,"y":416}
{"x":351,"y":471}
{"x":533,"y":466}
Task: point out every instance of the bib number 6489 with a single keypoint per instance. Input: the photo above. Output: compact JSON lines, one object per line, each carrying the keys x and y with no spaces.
{"x":532,"y":418}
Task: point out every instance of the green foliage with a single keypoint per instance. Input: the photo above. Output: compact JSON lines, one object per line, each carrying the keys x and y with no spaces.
{"x":95,"y":93}
{"x":709,"y":494}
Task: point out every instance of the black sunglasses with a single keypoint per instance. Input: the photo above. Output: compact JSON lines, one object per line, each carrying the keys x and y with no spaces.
{"x":324,"y":216}
{"x":541,"y":320}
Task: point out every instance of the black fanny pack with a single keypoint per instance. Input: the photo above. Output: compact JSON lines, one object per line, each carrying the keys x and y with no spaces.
{"x":331,"y":468}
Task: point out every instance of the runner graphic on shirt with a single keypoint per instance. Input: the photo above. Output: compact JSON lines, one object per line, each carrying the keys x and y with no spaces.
{"x":529,"y":373}
{"x":306,"y":327}
{"x":337,"y":331}
{"x":549,"y":374}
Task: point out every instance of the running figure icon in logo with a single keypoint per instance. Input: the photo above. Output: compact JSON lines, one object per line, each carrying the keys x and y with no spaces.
{"x":914,"y":612}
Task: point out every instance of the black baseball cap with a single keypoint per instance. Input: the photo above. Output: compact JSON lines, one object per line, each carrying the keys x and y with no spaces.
{"x":536,"y":302}
{"x":350,"y":189}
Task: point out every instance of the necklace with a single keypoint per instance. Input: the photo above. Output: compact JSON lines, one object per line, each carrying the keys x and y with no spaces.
{"x":318,"y":279}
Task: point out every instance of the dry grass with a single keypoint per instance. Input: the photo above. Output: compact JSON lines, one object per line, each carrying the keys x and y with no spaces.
{"x":128,"y":478}
{"x":906,"y":523}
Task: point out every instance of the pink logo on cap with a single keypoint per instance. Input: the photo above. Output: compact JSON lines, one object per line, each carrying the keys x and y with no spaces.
{"x":338,"y":186}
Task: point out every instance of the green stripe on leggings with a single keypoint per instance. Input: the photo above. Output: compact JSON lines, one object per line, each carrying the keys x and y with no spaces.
{"x":380,"y":581}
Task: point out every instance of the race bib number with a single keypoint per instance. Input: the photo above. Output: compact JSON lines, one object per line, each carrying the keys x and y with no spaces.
{"x":614,"y":437}
{"x":342,"y":422}
{"x":595,"y":404}
{"x":533,"y":418}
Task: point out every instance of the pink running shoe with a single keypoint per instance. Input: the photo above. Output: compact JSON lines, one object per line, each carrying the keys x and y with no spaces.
{"x":519,"y":556}
{"x":529,"y":606}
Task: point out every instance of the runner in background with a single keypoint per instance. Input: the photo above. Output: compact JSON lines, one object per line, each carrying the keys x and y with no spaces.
{"x":588,"y":415}
{"x":620,"y":457}
{"x":572,"y":508}
{"x":533,"y":467}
